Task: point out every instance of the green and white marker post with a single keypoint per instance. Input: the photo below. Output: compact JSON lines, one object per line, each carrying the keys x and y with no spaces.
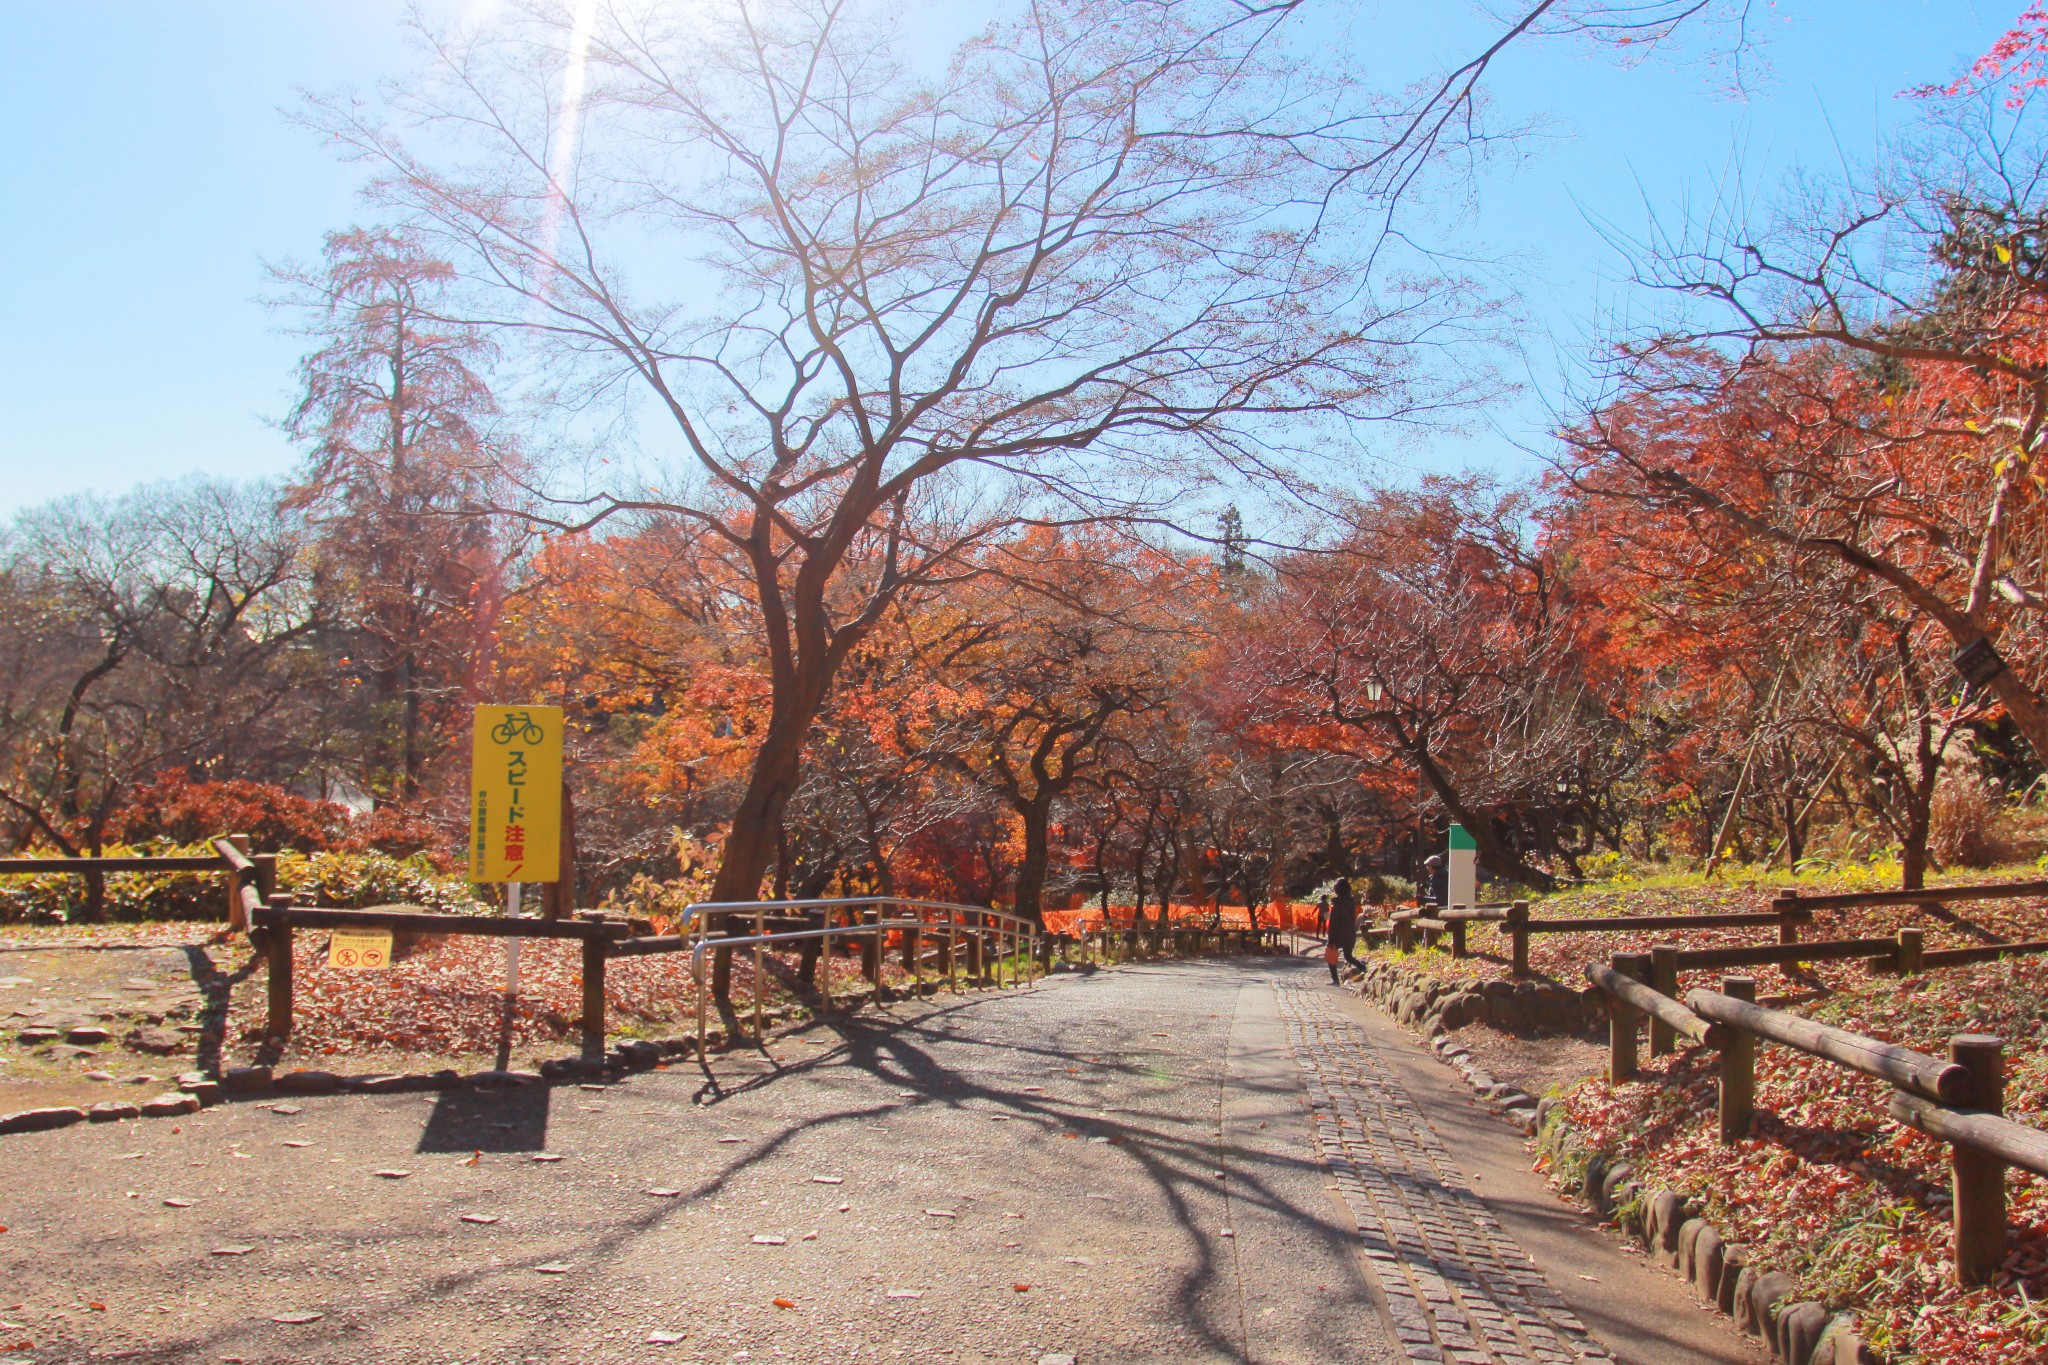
{"x":1462,"y":869}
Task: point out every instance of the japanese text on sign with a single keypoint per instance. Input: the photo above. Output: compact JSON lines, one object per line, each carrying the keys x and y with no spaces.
{"x":516,"y":794}
{"x":359,"y":949}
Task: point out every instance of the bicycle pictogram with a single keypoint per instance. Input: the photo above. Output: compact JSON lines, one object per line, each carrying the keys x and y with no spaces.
{"x":517,"y":725}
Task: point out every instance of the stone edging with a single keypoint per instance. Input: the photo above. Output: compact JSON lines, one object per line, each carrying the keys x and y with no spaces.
{"x":1761,"y":1302}
{"x":1433,"y":1007}
{"x":1661,"y":1222}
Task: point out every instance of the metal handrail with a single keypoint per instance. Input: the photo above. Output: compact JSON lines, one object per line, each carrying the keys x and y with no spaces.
{"x":697,"y":954}
{"x":1026,"y":930}
{"x":697,"y":909}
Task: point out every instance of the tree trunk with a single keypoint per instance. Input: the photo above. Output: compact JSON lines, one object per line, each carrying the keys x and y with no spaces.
{"x":1913,"y":848}
{"x":1795,"y":841}
{"x":1029,"y":886}
{"x":558,"y":901}
{"x":757,"y":821}
{"x":1491,"y":853}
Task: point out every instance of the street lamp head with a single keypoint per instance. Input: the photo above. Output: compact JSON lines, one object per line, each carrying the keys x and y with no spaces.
{"x":1374,"y":689}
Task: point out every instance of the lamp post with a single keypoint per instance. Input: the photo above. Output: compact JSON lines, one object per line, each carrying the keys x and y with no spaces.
{"x":1374,"y":690}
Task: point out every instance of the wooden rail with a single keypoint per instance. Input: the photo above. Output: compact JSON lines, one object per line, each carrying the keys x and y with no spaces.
{"x":1608,"y":924}
{"x":1926,"y":895}
{"x":179,"y":862}
{"x":243,"y":872}
{"x":1519,"y":927}
{"x":1989,"y":952}
{"x":1929,"y":1077}
{"x":2016,"y":1144}
{"x":1959,"y":1101}
{"x":1627,"y":989}
{"x":426,"y":922}
{"x":1773,"y":954}
{"x":1432,"y":922}
{"x":1515,"y":922}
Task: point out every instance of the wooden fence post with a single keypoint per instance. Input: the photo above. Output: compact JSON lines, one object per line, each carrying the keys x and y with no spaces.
{"x":266,"y":875}
{"x":277,"y":950}
{"x":1457,"y":935}
{"x":1738,"y":1067}
{"x":1664,"y":981}
{"x":238,"y":916}
{"x":1978,"y":1179}
{"x":595,"y":951}
{"x":1787,"y":906}
{"x":1912,"y":952}
{"x":1517,"y":927}
{"x":1623,"y":1020}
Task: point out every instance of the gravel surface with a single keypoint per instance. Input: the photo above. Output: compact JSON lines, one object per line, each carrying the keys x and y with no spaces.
{"x":1120,"y":1166}
{"x":992,"y":1177}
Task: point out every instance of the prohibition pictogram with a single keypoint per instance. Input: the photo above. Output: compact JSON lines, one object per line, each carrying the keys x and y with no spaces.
{"x":359,"y":950}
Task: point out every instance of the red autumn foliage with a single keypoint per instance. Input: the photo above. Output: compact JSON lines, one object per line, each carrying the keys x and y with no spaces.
{"x":175,"y":809}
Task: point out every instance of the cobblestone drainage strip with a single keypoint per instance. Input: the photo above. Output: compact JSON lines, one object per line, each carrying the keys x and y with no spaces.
{"x":1457,"y":1287}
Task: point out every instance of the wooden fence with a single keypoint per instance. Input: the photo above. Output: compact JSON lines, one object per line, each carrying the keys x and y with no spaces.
{"x":1958,"y":1101}
{"x":1790,"y":910}
{"x":935,"y":939}
{"x":249,"y":878}
{"x":275,"y":924}
{"x":1519,"y":927}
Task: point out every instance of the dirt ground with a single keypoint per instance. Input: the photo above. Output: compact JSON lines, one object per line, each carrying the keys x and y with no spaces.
{"x":84,"y":1023}
{"x":1116,"y":1166}
{"x":1537,"y":1062}
{"x":170,"y":998}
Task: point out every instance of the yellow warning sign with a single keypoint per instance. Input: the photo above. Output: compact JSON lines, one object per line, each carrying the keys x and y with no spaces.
{"x":359,"y":950}
{"x":515,"y":827}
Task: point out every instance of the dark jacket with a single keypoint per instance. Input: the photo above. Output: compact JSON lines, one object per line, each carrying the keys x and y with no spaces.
{"x":1343,"y":920}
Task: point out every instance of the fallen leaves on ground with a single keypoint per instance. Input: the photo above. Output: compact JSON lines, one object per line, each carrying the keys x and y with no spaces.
{"x":447,"y":997}
{"x":1829,"y":1189}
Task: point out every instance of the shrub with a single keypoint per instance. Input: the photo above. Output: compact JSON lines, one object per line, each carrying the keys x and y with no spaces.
{"x":342,"y":879}
{"x":352,"y":881}
{"x":1960,"y":822}
{"x":175,"y":809}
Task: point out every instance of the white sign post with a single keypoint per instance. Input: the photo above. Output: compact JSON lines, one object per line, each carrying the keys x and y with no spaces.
{"x":1463,"y":869}
{"x":512,"y":943}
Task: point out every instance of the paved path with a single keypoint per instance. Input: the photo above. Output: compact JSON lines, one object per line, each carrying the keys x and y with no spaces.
{"x":1186,"y":1162}
{"x":1456,"y":1285}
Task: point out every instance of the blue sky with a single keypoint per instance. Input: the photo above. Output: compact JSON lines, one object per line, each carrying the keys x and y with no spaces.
{"x":151,"y":172}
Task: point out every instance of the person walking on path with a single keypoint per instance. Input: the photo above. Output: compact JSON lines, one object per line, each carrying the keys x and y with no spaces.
{"x":1322,"y":916}
{"x":1343,"y":932}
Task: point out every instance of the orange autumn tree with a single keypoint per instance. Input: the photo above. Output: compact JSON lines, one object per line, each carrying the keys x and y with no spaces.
{"x":639,"y":636}
{"x":1757,"y":679}
{"x":1435,"y":635}
{"x":1883,"y":350}
{"x":1077,"y":634}
{"x":889,"y":314}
